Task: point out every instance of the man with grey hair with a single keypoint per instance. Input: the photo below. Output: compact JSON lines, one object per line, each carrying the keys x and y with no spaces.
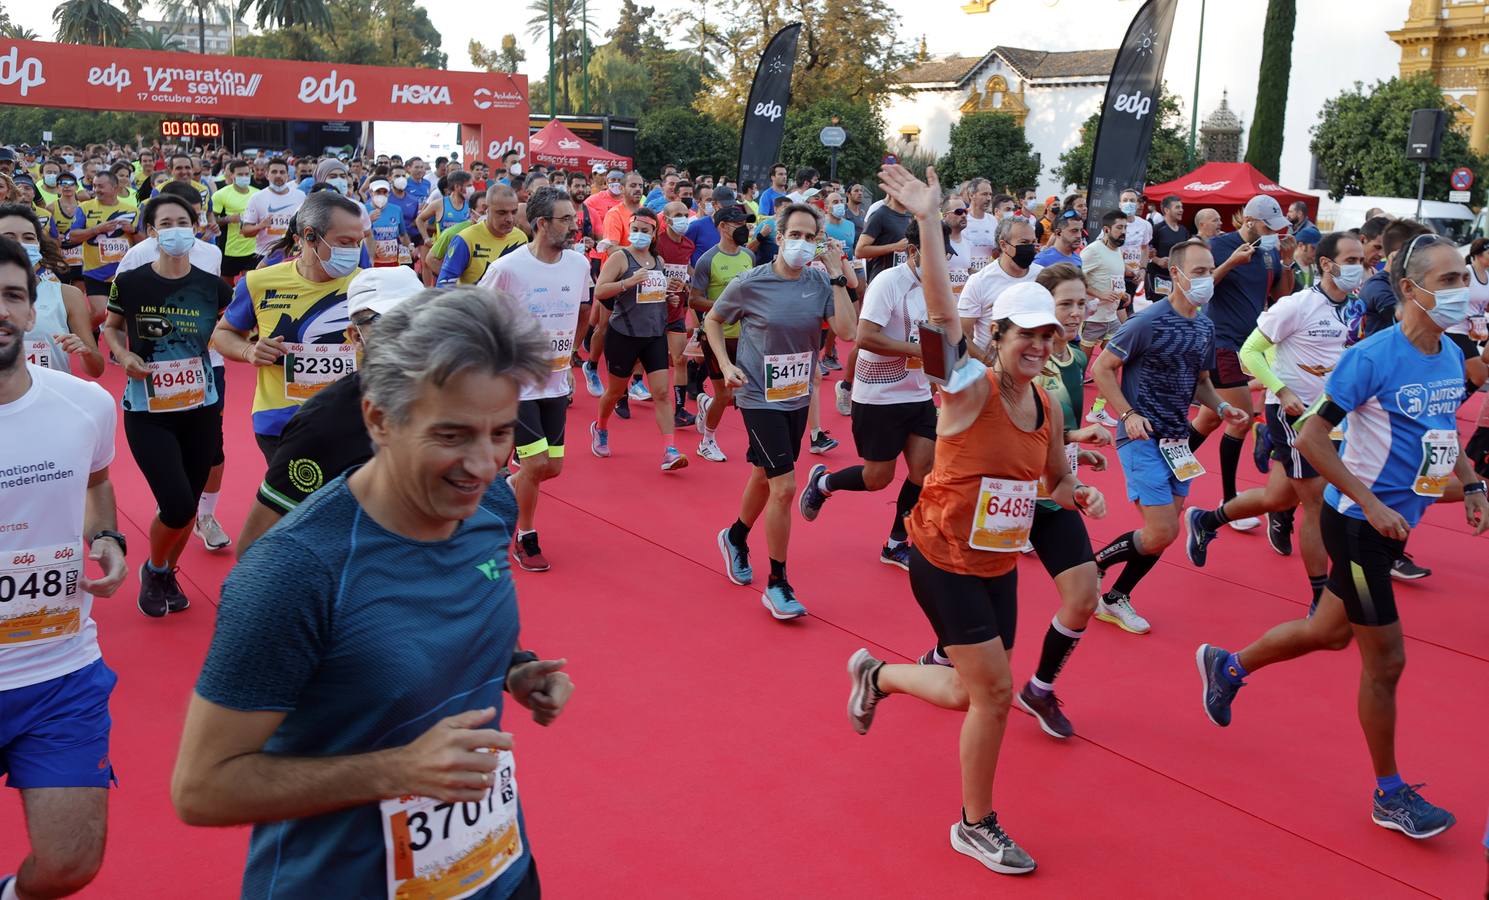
{"x":1207,"y":224}
{"x":1015,"y":264}
{"x":397,"y":581}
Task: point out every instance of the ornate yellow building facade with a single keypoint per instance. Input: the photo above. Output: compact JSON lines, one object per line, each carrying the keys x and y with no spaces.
{"x":1449,"y":40}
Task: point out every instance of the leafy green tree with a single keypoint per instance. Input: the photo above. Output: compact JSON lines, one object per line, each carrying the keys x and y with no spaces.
{"x":618,"y":85}
{"x":990,"y":145}
{"x":158,"y":41}
{"x":860,"y":155}
{"x":393,"y":32}
{"x":296,"y":42}
{"x":633,"y":32}
{"x":75,"y":126}
{"x":95,"y":22}
{"x":1166,"y":155}
{"x":570,"y":32}
{"x":1264,"y":145}
{"x":313,"y":14}
{"x":686,"y":139}
{"x":1360,"y":142}
{"x":506,"y":59}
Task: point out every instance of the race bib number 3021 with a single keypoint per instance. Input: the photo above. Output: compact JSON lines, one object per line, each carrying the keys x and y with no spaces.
{"x":445,"y":851}
{"x":310,"y":368}
{"x":40,"y":599}
{"x":788,"y":376}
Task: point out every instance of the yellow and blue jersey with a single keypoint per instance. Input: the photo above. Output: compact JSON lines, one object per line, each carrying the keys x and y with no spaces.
{"x":473,"y":249}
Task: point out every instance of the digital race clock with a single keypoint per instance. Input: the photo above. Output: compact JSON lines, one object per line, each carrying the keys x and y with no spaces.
{"x":189,"y":128}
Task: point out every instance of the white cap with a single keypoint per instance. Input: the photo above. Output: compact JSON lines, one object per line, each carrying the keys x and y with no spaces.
{"x":599,"y":168}
{"x":1265,"y":208}
{"x":380,"y":290}
{"x":379,"y":185}
{"x":1027,"y":304}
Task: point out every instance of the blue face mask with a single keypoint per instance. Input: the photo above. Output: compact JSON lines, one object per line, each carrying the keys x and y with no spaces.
{"x":243,"y":181}
{"x":839,"y":210}
{"x":33,"y":252}
{"x":1200,"y":290}
{"x":342,"y":262}
{"x":1269,"y":242}
{"x":1451,"y":307}
{"x":338,"y":183}
{"x":1129,"y":209}
{"x":175,"y":241}
{"x":640,"y":240}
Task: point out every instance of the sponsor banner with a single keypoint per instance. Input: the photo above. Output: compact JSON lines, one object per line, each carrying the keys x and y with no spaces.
{"x":36,"y":73}
{"x":765,"y":113}
{"x":1119,"y":158}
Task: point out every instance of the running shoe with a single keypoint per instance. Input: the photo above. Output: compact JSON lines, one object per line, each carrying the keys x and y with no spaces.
{"x":175,"y":598}
{"x":1101,"y":417}
{"x":1219,"y":691}
{"x":1046,"y":710}
{"x":638,"y":392}
{"x":527,"y":554}
{"x":623,"y":407}
{"x":864,"y":696}
{"x":842,"y":397}
{"x":823,"y":442}
{"x":672,"y":460}
{"x":1196,"y":538}
{"x":210,"y":531}
{"x":154,"y":599}
{"x":932,"y":658}
{"x":896,"y":556}
{"x":592,"y":380}
{"x":1117,"y":609}
{"x":1280,"y":532}
{"x":831,"y":364}
{"x":812,"y":497}
{"x":599,"y":440}
{"x":781,"y":600}
{"x":1249,"y":523}
{"x":1405,"y":569}
{"x":1261,"y":447}
{"x":700,"y":422}
{"x":736,"y":560}
{"x":990,"y":845}
{"x":681,"y":418}
{"x":708,"y":448}
{"x":1408,"y":812}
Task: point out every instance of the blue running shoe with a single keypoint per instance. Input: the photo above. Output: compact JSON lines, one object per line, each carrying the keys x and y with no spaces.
{"x":896,"y":556}
{"x":1408,"y":812}
{"x":599,"y":440}
{"x":638,"y":392}
{"x":1218,"y":690}
{"x":1197,"y":539}
{"x":1261,"y":447}
{"x":736,"y":560}
{"x":781,"y":601}
{"x":592,"y":379}
{"x":812,"y":497}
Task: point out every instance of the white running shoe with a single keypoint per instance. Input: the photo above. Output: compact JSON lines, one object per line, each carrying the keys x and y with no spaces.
{"x":708,"y":449}
{"x":1247,"y":524}
{"x":638,"y":392}
{"x":704,"y":401}
{"x":1102,"y":417}
{"x":1119,"y":612}
{"x":210,"y":531}
{"x":843,"y":399}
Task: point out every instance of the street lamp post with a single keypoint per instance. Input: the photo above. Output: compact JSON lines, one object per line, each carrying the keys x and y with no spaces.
{"x":584,"y":46}
{"x":1194,"y":106}
{"x":552,"y":86}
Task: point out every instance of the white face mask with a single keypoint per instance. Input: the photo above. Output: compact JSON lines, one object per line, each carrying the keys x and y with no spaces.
{"x":615,"y":188}
{"x":400,"y":182}
{"x":379,"y":200}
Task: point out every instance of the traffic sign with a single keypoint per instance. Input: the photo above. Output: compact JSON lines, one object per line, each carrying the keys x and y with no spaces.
{"x":1459,"y":196}
{"x":1461,"y":179}
{"x":832,"y":136}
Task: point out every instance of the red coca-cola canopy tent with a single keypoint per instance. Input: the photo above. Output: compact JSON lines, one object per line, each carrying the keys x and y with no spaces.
{"x":1225,"y":187}
{"x":556,"y":146}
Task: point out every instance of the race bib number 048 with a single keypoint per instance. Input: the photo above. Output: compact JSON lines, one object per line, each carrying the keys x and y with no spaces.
{"x":787,"y":376}
{"x":445,"y":851}
{"x":310,"y":368}
{"x":40,"y":599}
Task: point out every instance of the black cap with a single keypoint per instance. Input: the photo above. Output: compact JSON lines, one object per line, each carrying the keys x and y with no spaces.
{"x":7,"y":154}
{"x":723,"y":197}
{"x":731,"y":213}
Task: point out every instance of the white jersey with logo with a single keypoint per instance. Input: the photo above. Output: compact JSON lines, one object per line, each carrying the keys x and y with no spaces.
{"x":1478,"y":302}
{"x":982,"y":291}
{"x":896,"y":304}
{"x":276,"y":209}
{"x":981,"y":235}
{"x":1309,"y":331}
{"x":552,"y":292}
{"x":51,"y":440}
{"x":1139,"y":237}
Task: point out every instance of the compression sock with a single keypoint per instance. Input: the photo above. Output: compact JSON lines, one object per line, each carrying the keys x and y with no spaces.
{"x":679,"y":396}
{"x":1389,"y":785}
{"x":206,"y":505}
{"x":909,"y":496}
{"x":777,"y":571}
{"x":1133,"y":572}
{"x":1059,"y":643}
{"x":1234,"y":671}
{"x":739,"y":533}
{"x":1230,"y":461}
{"x":1211,"y":520}
{"x":1122,"y":549}
{"x":1196,"y":440}
{"x":849,"y":479}
{"x":1316,"y":584}
{"x":589,"y":333}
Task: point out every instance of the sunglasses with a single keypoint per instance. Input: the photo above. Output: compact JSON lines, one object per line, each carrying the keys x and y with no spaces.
{"x":959,"y":211}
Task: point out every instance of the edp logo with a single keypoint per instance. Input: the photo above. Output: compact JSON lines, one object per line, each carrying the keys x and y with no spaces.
{"x":1134,"y":103}
{"x":328,"y":90}
{"x":769,"y":109}
{"x":25,"y":72}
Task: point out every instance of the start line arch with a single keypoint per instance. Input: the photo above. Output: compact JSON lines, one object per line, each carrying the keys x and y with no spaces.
{"x":491,"y":108}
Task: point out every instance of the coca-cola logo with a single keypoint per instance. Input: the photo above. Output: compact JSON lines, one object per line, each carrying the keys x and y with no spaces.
{"x":1205,"y":185}
{"x":330,"y":90}
{"x":421,"y":94}
{"x":24,"y":72}
{"x":486,"y":98}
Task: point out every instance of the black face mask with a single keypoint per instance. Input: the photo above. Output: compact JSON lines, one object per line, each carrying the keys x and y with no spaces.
{"x":741,"y":235}
{"x":1023,"y":255}
{"x":688,"y":202}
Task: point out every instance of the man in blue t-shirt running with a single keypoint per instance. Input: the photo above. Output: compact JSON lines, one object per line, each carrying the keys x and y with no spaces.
{"x":350,"y":703}
{"x":1399,"y":392}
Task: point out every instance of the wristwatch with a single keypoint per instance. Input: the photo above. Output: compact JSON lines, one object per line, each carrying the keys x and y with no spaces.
{"x":519,"y":658}
{"x":116,"y":536}
{"x":840,"y":281}
{"x":1477,"y":487}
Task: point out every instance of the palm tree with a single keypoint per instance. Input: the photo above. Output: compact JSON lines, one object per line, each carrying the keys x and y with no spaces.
{"x":95,"y":22}
{"x":568,"y":37}
{"x":284,"y":13}
{"x":159,"y":41}
{"x":18,"y":33}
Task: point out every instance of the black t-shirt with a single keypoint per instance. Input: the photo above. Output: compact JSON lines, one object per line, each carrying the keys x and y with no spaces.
{"x":324,"y":438}
{"x":1164,"y":240}
{"x":885,"y":226}
{"x":167,"y":319}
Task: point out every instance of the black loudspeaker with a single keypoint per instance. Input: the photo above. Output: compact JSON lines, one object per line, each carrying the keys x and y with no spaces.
{"x":1425,"y":139}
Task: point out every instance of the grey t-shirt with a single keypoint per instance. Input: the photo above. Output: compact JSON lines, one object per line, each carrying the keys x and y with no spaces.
{"x":781,"y":331}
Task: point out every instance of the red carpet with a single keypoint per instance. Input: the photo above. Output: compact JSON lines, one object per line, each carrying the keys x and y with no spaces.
{"x":707,"y":752}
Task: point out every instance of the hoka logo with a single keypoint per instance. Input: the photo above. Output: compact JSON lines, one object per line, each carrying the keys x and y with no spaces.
{"x":491,"y":569}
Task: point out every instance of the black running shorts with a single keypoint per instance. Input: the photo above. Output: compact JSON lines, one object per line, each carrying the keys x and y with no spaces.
{"x":881,"y":430}
{"x":965,"y":609}
{"x":1284,"y":436}
{"x":1060,"y":540}
{"x":775,"y":438}
{"x":622,"y":352}
{"x":1360,"y":560}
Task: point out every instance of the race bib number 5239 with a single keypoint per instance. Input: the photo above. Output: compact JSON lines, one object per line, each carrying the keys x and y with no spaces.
{"x":310,"y":368}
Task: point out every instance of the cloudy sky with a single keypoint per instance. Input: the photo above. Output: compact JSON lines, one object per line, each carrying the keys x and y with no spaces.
{"x":1330,"y":51}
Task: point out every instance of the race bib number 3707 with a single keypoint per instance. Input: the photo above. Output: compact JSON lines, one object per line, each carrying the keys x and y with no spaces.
{"x":445,"y":851}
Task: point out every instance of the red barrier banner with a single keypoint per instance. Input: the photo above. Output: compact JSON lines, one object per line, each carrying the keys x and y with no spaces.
{"x":491,"y":104}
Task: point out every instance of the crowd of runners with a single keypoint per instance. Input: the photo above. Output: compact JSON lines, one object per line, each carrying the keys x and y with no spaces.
{"x":414,"y":333}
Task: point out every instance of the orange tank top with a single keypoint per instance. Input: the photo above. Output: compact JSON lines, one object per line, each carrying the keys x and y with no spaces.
{"x":977,"y":503}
